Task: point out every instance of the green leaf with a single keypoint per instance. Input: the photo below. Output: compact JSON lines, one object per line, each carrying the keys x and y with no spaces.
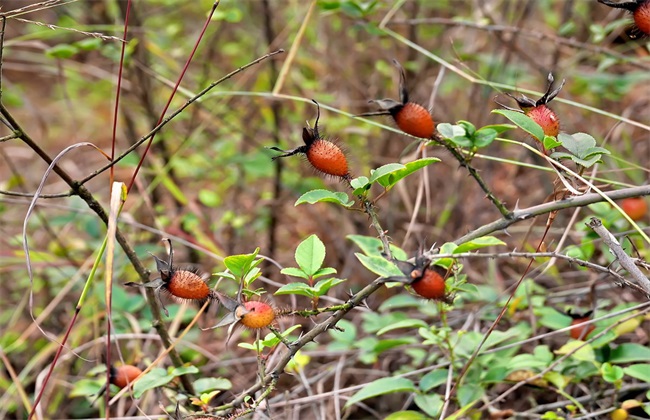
{"x":310,"y":255}
{"x":406,"y":415}
{"x":629,"y":352}
{"x":551,"y":142}
{"x":85,"y":388}
{"x":380,"y":266}
{"x":469,"y":128}
{"x":296,"y":289}
{"x":484,"y":136}
{"x":387,"y":181}
{"x":450,"y":131}
{"x":294,"y":272}
{"x":325,"y":271}
{"x":323,"y":286}
{"x":381,"y":386}
{"x":522,"y":121}
{"x":324,"y":196}
{"x":89,"y":44}
{"x":469,"y":393}
{"x":433,"y":379}
{"x":499,"y":128}
{"x":430,"y":404}
{"x":385,"y":170}
{"x":373,"y":246}
{"x":482,"y":242}
{"x":407,"y":323}
{"x":360,"y":183}
{"x":240,"y":265}
{"x":462,"y":141}
{"x":155,"y":378}
{"x":204,"y":385}
{"x":611,"y":373}
{"x":584,"y":354}
{"x":183,"y":370}
{"x":62,"y":51}
{"x":639,"y":371}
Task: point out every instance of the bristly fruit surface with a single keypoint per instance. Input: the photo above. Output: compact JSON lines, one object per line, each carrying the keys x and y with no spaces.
{"x":410,"y":117}
{"x":258,"y":315}
{"x":640,"y":10}
{"x":324,"y":155}
{"x":125,"y":374}
{"x":185,"y":284}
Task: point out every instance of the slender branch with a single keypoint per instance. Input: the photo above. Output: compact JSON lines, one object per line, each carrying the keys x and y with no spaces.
{"x":583,"y":46}
{"x":474,"y":173}
{"x":615,"y":248}
{"x":175,"y":114}
{"x":577,"y":201}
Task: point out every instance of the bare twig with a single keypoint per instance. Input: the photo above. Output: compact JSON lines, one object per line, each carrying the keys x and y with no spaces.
{"x":623,"y":259}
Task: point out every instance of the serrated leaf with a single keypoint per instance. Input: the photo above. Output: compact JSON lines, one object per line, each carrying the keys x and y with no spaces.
{"x":294,"y":272}
{"x":155,"y":378}
{"x":499,"y":128}
{"x":379,"y":266}
{"x":239,"y":265}
{"x":522,"y":121}
{"x":373,"y":246}
{"x":323,"y":286}
{"x":387,"y":181}
{"x":462,"y":141}
{"x":639,"y":371}
{"x":384,"y":170}
{"x":551,"y":142}
{"x":324,"y":196}
{"x":407,"y":323}
{"x":478,"y":243}
{"x":583,"y":354}
{"x":382,"y":386}
{"x":325,"y":271}
{"x":360,"y":182}
{"x":450,"y":131}
{"x":296,"y":289}
{"x":484,"y":136}
{"x":310,"y":255}
{"x":204,"y":385}
{"x":629,"y":352}
{"x":62,"y":51}
{"x":184,"y":370}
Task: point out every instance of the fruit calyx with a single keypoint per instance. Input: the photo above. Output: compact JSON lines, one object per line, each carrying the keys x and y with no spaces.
{"x":526,"y":103}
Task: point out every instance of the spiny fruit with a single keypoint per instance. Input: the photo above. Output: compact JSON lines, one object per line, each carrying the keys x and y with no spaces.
{"x":124,"y":375}
{"x":252,"y":314}
{"x":580,"y":333}
{"x":538,"y":110}
{"x":425,"y":279}
{"x":257,"y":314}
{"x":185,"y":284}
{"x":324,"y":155}
{"x":410,"y":117}
{"x":635,"y":207}
{"x":120,"y":377}
{"x":640,"y":10}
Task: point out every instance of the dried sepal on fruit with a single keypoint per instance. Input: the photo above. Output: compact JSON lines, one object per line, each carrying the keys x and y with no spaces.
{"x":580,"y":332}
{"x":640,"y":10}
{"x":410,"y":117}
{"x":187,"y":284}
{"x":538,"y":110}
{"x":324,"y":155}
{"x":428,"y":281}
{"x":253,"y":314}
